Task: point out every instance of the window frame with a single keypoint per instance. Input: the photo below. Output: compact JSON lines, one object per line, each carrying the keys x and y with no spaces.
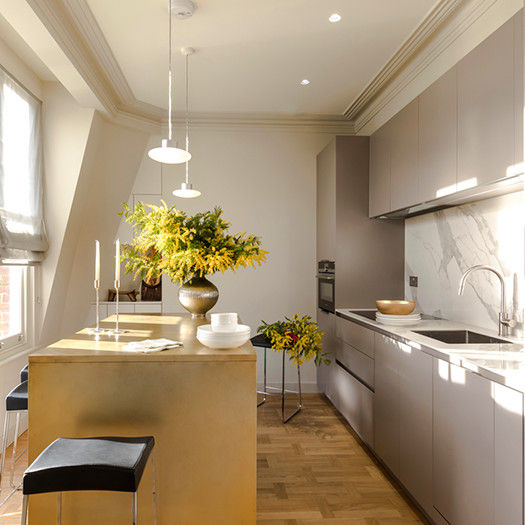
{"x":23,"y":341}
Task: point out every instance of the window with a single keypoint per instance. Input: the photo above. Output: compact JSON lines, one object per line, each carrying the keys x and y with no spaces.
{"x":12,"y":306}
{"x":23,"y":239}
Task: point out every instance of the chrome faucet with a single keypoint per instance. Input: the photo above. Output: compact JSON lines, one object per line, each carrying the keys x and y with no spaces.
{"x":505,"y":321}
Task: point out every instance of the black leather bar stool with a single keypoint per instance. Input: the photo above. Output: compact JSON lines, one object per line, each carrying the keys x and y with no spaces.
{"x":24,"y":374}
{"x":104,"y":463}
{"x":15,"y":403}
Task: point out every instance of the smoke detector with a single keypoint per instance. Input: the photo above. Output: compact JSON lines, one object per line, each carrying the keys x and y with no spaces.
{"x":182,"y":9}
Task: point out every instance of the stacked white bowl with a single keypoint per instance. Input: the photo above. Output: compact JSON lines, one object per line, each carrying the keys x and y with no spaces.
{"x":398,"y":320}
{"x":223,"y":332}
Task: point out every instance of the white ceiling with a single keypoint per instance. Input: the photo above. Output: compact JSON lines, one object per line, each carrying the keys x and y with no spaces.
{"x":252,"y":54}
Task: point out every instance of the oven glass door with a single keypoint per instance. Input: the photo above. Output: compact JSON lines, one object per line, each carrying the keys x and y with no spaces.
{"x":326,"y":294}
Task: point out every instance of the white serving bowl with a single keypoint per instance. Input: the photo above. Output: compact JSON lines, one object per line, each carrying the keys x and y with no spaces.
{"x":224,"y":322}
{"x":232,"y":339}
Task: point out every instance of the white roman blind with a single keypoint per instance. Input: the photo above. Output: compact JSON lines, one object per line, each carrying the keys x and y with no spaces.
{"x":23,"y":238}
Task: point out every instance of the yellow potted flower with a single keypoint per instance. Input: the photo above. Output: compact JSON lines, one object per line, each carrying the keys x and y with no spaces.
{"x":187,"y":249}
{"x":299,"y":337}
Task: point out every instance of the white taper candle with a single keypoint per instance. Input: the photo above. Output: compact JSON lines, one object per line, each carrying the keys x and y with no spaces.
{"x":97,"y":261}
{"x":117,"y":260}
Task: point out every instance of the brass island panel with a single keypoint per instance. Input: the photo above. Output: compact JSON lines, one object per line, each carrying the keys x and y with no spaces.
{"x":198,"y":403}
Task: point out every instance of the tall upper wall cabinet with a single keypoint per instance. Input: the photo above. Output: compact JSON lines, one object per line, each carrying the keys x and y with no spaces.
{"x":486,"y":109}
{"x":464,"y":130}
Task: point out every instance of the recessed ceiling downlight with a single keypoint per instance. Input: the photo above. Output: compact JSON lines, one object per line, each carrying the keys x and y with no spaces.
{"x":334,"y":17}
{"x":304,"y":82}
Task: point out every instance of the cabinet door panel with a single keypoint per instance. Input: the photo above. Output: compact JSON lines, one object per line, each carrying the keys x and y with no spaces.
{"x":386,"y":402}
{"x":508,"y":456}
{"x":355,"y":402}
{"x":518,"y":83}
{"x":379,"y":184}
{"x":486,"y":118}
{"x":326,"y":323}
{"x":360,"y":364}
{"x":463,"y":455}
{"x":326,"y":183}
{"x":438,"y":138}
{"x":404,"y":179}
{"x":415,"y":424}
{"x":356,"y":335}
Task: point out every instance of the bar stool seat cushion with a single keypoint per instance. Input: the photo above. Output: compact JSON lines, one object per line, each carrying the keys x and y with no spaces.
{"x":24,"y":374}
{"x":17,"y":398}
{"x":261,"y":340}
{"x":103,"y":463}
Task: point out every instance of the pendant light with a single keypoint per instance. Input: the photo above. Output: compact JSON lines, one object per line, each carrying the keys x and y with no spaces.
{"x":186,"y":189}
{"x":168,"y":153}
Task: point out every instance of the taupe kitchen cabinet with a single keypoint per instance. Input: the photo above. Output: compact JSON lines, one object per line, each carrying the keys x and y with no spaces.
{"x":465,"y":130}
{"x":437,"y":162}
{"x":404,"y":177}
{"x":346,"y":235}
{"x":477,"y":449}
{"x":326,"y":323}
{"x":354,"y":377}
{"x":379,"y":189}
{"x":326,"y":180}
{"x":403,"y":415}
{"x":486,"y":112}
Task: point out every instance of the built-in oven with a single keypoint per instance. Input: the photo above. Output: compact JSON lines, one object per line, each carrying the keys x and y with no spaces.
{"x":326,"y":286}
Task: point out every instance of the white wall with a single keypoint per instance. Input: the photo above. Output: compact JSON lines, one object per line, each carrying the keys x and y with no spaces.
{"x":265,"y":183}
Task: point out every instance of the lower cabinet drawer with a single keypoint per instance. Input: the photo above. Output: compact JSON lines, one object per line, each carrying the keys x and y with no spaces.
{"x":355,"y":402}
{"x":358,"y":363}
{"x":355,"y":335}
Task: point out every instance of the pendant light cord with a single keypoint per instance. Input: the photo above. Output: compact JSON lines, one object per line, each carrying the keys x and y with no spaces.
{"x":170,"y":75}
{"x":187,"y":119}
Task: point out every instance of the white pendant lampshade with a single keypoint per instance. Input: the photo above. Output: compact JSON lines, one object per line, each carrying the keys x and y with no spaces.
{"x":186,"y":191}
{"x":168,"y":153}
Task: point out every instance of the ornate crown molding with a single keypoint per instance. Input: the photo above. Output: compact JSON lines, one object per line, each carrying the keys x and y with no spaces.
{"x":441,"y":27}
{"x":433,"y":20}
{"x":75,"y":29}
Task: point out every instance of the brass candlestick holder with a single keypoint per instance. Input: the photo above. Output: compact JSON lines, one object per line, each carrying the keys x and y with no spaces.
{"x":97,"y":330}
{"x":117,"y":331}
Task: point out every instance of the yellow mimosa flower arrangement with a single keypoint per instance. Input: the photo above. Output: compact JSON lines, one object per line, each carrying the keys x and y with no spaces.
{"x":186,"y":247}
{"x":300,"y":337}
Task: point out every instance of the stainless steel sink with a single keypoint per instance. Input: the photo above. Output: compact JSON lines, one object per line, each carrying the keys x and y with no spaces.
{"x":462,"y":337}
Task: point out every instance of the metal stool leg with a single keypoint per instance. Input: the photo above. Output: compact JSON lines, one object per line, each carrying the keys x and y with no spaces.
{"x":134,"y":509}
{"x":15,"y":442}
{"x":154,"y":486}
{"x":17,"y":428}
{"x":264,"y":383}
{"x":24,"y":510}
{"x":283,"y":390}
{"x":4,"y":440}
{"x":59,"y":508}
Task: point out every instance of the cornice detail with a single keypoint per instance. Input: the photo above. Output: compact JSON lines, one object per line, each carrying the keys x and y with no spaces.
{"x":74,"y":27}
{"x":444,"y":23}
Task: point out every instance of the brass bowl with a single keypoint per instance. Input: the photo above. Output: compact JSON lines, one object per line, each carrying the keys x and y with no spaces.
{"x":396,"y":307}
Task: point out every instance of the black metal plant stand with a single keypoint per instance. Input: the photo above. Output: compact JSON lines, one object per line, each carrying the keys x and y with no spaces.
{"x":264,"y":343}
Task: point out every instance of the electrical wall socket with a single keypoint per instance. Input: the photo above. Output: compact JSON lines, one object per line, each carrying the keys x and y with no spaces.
{"x":412,"y":280}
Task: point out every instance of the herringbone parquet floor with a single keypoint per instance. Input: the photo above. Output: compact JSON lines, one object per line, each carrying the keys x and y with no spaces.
{"x":310,"y":471}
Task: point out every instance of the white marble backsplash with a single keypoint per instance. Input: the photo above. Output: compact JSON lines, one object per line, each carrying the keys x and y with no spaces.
{"x":440,"y":246}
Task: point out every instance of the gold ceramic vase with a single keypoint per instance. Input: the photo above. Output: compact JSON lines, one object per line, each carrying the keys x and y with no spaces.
{"x":198,"y":295}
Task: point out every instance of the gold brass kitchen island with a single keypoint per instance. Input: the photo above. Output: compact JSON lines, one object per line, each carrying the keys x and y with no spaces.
{"x":198,"y":403}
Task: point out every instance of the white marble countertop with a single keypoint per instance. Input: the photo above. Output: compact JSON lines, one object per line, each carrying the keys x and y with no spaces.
{"x":503,"y":363}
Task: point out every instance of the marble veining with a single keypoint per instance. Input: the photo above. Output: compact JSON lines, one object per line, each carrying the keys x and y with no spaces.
{"x":440,"y":246}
